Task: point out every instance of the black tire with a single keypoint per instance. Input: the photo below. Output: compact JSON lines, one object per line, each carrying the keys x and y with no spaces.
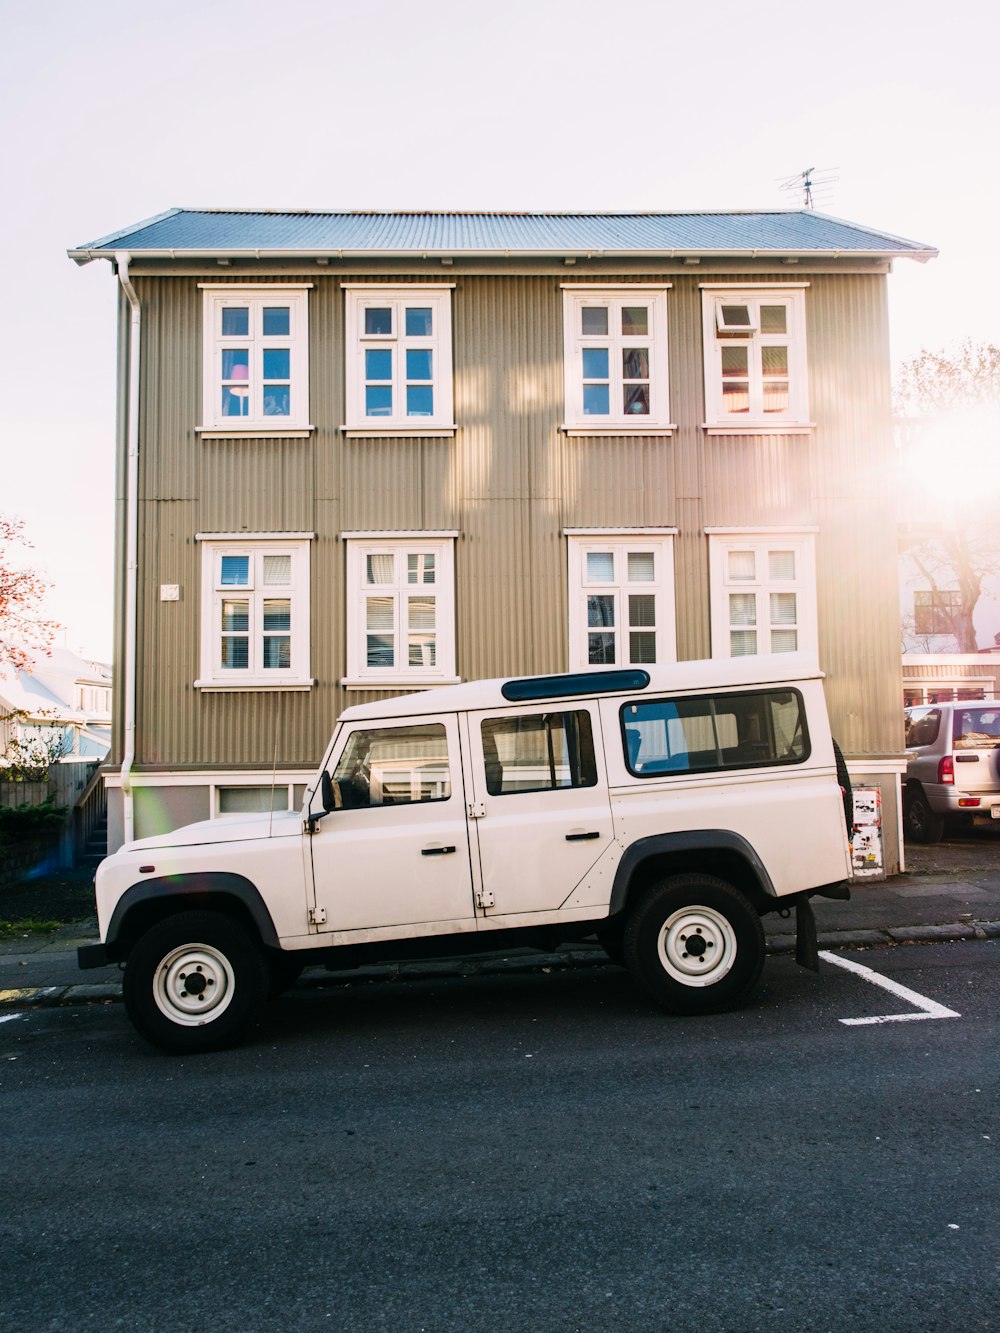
{"x":920,"y":823}
{"x":844,"y":778}
{"x":195,"y":982}
{"x":723,"y":968}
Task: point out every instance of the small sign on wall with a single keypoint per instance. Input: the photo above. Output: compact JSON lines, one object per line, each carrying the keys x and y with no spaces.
{"x":866,"y":843}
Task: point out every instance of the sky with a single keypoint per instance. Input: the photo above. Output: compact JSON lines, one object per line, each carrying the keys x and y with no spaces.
{"x":113,"y":116}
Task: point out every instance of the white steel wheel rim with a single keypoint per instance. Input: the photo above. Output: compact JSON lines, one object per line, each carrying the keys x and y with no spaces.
{"x":696,"y":946}
{"x":193,"y":985}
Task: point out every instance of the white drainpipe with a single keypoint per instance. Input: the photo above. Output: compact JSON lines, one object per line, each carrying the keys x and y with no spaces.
{"x":131,"y":540}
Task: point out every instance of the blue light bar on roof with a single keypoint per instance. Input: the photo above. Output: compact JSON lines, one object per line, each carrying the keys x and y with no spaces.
{"x":585,"y":682}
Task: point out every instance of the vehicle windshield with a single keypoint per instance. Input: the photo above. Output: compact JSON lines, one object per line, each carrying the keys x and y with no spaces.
{"x":977,"y":728}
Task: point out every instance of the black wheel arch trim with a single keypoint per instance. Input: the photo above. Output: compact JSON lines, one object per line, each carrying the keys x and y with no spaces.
{"x":690,"y":840}
{"x":192,"y":887}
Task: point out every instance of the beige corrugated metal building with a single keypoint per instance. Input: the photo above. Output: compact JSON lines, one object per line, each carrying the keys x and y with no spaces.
{"x":347,"y":471}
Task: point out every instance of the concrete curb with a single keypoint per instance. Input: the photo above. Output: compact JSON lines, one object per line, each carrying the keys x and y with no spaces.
{"x":581,"y":956}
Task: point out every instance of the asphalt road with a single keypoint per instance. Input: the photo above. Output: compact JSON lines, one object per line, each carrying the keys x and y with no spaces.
{"x":526,"y":1153}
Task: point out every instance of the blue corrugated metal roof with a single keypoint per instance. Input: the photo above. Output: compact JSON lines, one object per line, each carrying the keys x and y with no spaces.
{"x":220,"y":232}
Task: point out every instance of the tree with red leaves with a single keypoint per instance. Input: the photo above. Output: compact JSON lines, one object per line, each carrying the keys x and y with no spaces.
{"x":23,"y":629}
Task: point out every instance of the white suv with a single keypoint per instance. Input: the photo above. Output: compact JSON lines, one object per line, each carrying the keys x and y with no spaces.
{"x":665,"y":811}
{"x":952,"y":765}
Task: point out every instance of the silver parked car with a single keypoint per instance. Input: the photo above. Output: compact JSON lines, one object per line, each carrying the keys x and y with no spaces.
{"x":952,"y":765}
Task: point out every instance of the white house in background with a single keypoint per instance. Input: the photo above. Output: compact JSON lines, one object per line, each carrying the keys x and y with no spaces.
{"x":60,"y":695}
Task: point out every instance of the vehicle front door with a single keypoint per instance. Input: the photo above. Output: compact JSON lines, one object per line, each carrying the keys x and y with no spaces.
{"x":540,"y":801}
{"x":395,"y":849}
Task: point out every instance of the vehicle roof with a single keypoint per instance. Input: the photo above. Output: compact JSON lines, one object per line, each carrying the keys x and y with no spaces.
{"x":673,"y":677}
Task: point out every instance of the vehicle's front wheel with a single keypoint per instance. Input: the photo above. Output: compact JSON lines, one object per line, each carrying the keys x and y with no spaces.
{"x":920,"y":823}
{"x":194,"y":982}
{"x":695,"y":944}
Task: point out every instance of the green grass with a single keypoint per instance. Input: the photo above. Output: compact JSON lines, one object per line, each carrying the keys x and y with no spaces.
{"x":12,"y":930}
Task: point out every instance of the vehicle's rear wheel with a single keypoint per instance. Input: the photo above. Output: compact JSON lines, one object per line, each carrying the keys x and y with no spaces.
{"x":920,"y":823}
{"x":194,"y":982}
{"x":695,"y":944}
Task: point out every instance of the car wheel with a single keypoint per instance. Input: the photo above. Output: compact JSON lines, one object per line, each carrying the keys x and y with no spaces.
{"x":194,"y":982}
{"x":695,"y":944}
{"x":920,"y":823}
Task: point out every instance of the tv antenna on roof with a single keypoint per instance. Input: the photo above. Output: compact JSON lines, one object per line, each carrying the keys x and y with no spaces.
{"x":812,"y":183}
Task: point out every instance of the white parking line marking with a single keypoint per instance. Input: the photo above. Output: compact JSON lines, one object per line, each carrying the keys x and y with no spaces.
{"x":927,"y":1008}
{"x":6,"y":1018}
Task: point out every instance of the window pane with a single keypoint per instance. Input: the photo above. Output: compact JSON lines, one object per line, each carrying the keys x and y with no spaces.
{"x":422,"y":651}
{"x":235,"y":321}
{"x":235,"y":571}
{"x":600,"y":567}
{"x":785,"y":641}
{"x":595,"y":363}
{"x":379,"y":614}
{"x":742,"y":608}
{"x":635,"y":321}
{"x":600,"y":610}
{"x":277,"y":570}
{"x":783,"y":608}
{"x":277,"y":652}
{"x":743,"y":642}
{"x":594,"y":321}
{"x":774,"y":360}
{"x":635,"y":363}
{"x":601,"y":649}
{"x":781,"y":566}
{"x":641,"y":567}
{"x":277,"y":363}
{"x":378,"y":568}
{"x":252,"y":800}
{"x":235,"y":654}
{"x":278,"y":614}
{"x":393,"y":766}
{"x":538,"y":753}
{"x":235,"y":402}
{"x":421,"y":614}
{"x":735,"y":317}
{"x":773,"y":319}
{"x":380,"y":651}
{"x":418,"y":363}
{"x":742,"y":565}
{"x":419,"y":400}
{"x":596,"y":400}
{"x":420,"y":568}
{"x":641,"y":610}
{"x":236,"y":363}
{"x":641,"y":648}
{"x":276,"y":321}
{"x":378,"y":363}
{"x":378,"y":400}
{"x":734,"y":362}
{"x":236,"y":616}
{"x":776,"y":396}
{"x":277,"y":400}
{"x":419,"y":322}
{"x":637,"y":400}
{"x":378,"y":320}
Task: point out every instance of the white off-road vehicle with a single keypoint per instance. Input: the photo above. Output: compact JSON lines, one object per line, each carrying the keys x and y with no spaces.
{"x":662,"y":810}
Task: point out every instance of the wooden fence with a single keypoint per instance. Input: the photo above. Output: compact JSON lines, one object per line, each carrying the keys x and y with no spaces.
{"x":78,"y":785}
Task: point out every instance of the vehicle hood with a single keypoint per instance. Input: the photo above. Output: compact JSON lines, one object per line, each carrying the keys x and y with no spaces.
{"x":227,"y":828}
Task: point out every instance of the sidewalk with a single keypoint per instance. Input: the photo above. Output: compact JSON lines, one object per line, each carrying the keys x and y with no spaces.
{"x":949,"y":892}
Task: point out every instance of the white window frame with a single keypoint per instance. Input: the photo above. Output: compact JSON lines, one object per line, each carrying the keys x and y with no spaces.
{"x":216,"y":298}
{"x":762,"y":541}
{"x":441,"y":545}
{"x":575,"y":298}
{"x":756,"y":420}
{"x":620,"y":543}
{"x":213,"y":676}
{"x":360,"y":297}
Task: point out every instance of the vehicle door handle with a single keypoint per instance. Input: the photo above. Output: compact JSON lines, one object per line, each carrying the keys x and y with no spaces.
{"x":436,"y":851}
{"x":582,"y":837}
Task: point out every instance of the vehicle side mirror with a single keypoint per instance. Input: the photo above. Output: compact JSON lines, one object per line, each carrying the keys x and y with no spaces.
{"x":326,"y":792}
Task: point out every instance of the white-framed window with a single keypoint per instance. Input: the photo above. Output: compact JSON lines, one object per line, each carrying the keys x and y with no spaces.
{"x":400,"y":609}
{"x":255,"y":611}
{"x":615,"y":346}
{"x":763,"y":592}
{"x":256,"y":359}
{"x":398,"y":359}
{"x":755,"y":358}
{"x":621,"y":598}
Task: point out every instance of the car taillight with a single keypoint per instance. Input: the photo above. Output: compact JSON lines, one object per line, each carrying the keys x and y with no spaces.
{"x":946,"y":771}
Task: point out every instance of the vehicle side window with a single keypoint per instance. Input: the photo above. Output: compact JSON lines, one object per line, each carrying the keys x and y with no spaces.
{"x":538,"y":752}
{"x":712,"y":732}
{"x":393,"y":766}
{"x":976,"y":728}
{"x":922,"y":726}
